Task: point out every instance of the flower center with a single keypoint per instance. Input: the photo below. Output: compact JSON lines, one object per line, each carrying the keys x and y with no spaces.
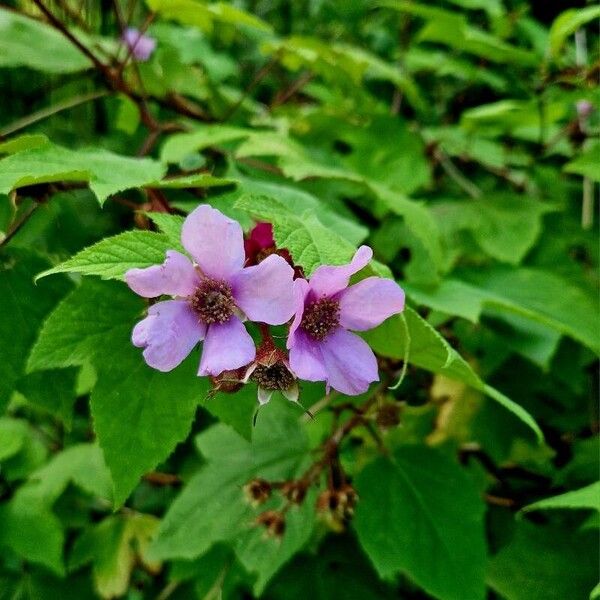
{"x":213,"y":301}
{"x":275,"y":377}
{"x":321,"y":317}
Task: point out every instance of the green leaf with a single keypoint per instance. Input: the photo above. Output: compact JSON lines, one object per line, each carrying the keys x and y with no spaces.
{"x":29,"y":527}
{"x":421,"y":515}
{"x":23,"y":142}
{"x":200,"y":14}
{"x":236,"y":410}
{"x":170,"y":225}
{"x":586,"y":497}
{"x":24,"y":306}
{"x":33,"y":532}
{"x":505,"y":226}
{"x":299,"y":201}
{"x":212,"y":507}
{"x":308,"y":241}
{"x":567,"y":23}
{"x":114,"y":546}
{"x":191,"y":181}
{"x":106,"y":173}
{"x":52,"y":390}
{"x":81,"y":464}
{"x":12,"y":436}
{"x":545,"y":563}
{"x":180,"y":145}
{"x":95,"y":322}
{"x":112,"y":257}
{"x":453,"y":29}
{"x":25,"y":42}
{"x":586,"y":164}
{"x":430,"y":351}
{"x":537,"y":295}
{"x":75,"y":330}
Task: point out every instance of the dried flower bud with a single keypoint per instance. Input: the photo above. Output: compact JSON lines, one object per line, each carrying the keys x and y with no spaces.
{"x":294,"y":491}
{"x":337,"y":506}
{"x":257,"y":491}
{"x":228,"y":382}
{"x":388,"y":416}
{"x":273,"y":522}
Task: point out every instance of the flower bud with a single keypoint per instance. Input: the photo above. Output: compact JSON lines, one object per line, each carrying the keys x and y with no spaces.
{"x":273,"y":522}
{"x":294,"y":491}
{"x":388,"y":416}
{"x":228,"y":382}
{"x":257,"y":491}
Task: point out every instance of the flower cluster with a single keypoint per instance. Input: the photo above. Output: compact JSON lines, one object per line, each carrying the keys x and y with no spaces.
{"x":232,"y":280}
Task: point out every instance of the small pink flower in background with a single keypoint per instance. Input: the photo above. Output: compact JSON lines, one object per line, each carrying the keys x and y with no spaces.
{"x":141,"y":46}
{"x":209,"y":297}
{"x":584,"y":108}
{"x":320,"y":344}
{"x":261,"y":243}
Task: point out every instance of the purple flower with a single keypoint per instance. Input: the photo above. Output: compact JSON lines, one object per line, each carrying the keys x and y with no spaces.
{"x":141,"y":46}
{"x":321,"y":347}
{"x":209,"y":297}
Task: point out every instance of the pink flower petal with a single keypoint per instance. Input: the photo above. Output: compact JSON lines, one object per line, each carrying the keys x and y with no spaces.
{"x":301,"y":290}
{"x":175,"y":277}
{"x":328,"y":280}
{"x":214,"y":241}
{"x":350,"y":363}
{"x":370,"y":302}
{"x":168,"y":334}
{"x":227,"y":346}
{"x":265,"y":292}
{"x":306,"y":360}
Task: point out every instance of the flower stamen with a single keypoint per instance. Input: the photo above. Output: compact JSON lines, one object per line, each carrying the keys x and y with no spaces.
{"x":274,"y":377}
{"x":320,"y":318}
{"x":213,"y":301}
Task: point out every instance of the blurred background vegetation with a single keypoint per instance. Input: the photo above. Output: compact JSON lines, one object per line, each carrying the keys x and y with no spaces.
{"x":459,"y":139}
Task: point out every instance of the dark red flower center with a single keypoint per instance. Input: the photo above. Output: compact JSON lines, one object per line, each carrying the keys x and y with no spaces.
{"x":275,"y":377}
{"x":320,"y":318}
{"x":213,"y":301}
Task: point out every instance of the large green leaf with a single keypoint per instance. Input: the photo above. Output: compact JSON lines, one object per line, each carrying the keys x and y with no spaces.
{"x":545,"y":563}
{"x":537,"y":295}
{"x":112,"y":257}
{"x":24,"y":306}
{"x":26,"y":42}
{"x":428,"y":350}
{"x":505,"y":226}
{"x":107,"y":173}
{"x":95,"y":322}
{"x":421,"y":515}
{"x":212,"y":507}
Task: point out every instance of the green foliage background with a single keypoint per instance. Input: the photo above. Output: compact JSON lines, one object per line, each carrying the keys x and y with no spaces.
{"x":459,"y":139}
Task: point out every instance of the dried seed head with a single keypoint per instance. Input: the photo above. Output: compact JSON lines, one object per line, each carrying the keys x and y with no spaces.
{"x":213,"y":301}
{"x":274,"y":377}
{"x":257,"y":491}
{"x":320,"y":318}
{"x":273,"y":521}
{"x":294,"y":491}
{"x":388,"y":416}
